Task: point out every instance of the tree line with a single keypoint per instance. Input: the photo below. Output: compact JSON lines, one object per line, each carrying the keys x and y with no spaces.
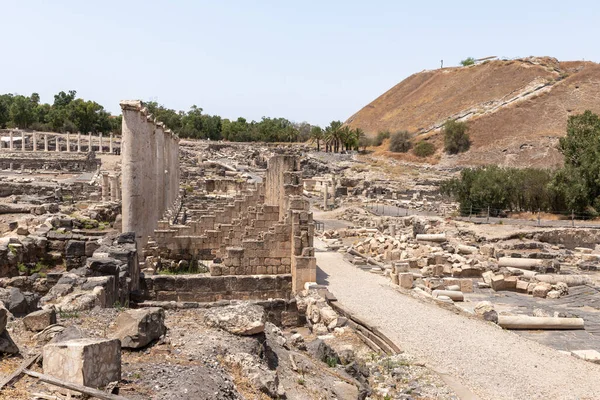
{"x":573,"y":188}
{"x":66,"y":114}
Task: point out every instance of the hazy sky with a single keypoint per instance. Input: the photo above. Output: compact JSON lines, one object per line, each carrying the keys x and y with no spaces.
{"x":304,"y":60}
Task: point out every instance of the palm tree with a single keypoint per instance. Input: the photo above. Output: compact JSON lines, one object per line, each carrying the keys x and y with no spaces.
{"x":316,"y":135}
{"x":333,"y":136}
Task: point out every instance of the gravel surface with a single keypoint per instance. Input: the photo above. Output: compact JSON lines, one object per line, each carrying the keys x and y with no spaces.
{"x":492,"y":363}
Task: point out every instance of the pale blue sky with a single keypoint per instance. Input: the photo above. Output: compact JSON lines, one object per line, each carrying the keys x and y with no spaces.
{"x":305,"y":60}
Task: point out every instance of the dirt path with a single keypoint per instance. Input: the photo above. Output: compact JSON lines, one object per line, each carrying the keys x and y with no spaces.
{"x":491,"y":362}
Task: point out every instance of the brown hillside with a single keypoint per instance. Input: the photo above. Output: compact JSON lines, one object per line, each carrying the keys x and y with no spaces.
{"x":516,"y":109}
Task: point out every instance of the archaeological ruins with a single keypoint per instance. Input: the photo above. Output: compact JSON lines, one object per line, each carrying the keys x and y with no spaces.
{"x":137,"y":264}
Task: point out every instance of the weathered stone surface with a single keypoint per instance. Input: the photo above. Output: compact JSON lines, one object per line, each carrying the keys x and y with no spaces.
{"x":138,"y":328}
{"x":3,"y":317}
{"x":7,"y":346}
{"x":406,"y":280}
{"x":541,"y":290}
{"x":483,"y":307}
{"x":89,"y":362}
{"x":75,"y":248}
{"x":39,"y":320}
{"x":17,"y":302}
{"x":240,"y":319}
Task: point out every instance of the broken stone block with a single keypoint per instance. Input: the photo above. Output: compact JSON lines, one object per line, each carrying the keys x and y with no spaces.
{"x":138,"y":328}
{"x":483,"y":307}
{"x":88,"y":362}
{"x":510,"y":283}
{"x":522,"y":286}
{"x":587,"y":355}
{"x":406,"y":280}
{"x":38,"y":320}
{"x":553,"y":294}
{"x":75,"y":248}
{"x":394,"y":278}
{"x":498,"y":283}
{"x":487,"y":277}
{"x":466,"y":285}
{"x":541,"y":290}
{"x":241,"y":319}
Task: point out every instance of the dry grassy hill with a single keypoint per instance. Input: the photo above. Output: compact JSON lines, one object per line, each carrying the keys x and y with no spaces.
{"x":516,"y":109}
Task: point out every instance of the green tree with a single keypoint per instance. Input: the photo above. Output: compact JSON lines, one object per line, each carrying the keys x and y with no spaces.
{"x":316,"y":135}
{"x":400,"y":142}
{"x":21,"y":112}
{"x":467,"y":61}
{"x":456,"y":138}
{"x":5,"y":103}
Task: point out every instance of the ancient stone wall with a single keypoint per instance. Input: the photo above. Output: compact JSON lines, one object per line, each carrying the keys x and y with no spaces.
{"x":200,"y":288}
{"x":71,"y":162}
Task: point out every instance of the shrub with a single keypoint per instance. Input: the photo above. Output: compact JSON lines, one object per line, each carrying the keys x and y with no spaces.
{"x":467,"y":61}
{"x":400,"y":142}
{"x":381,"y":136}
{"x":456,"y":138}
{"x":364,"y":142}
{"x":424,"y":149}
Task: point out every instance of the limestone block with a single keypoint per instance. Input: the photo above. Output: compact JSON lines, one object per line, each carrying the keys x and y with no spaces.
{"x":487,"y":277}
{"x":89,"y":362}
{"x":466,"y":285}
{"x":498,"y":282}
{"x":137,"y":328}
{"x":39,"y":320}
{"x":541,"y":290}
{"x":510,"y":283}
{"x":522,"y":286}
{"x":588,"y":355}
{"x":406,"y":280}
{"x":75,"y":248}
{"x":3,"y":317}
{"x":394,"y":278}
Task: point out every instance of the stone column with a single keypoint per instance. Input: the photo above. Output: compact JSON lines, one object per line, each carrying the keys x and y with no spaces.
{"x":113,"y":187}
{"x":79,"y":142}
{"x":135,"y":140}
{"x":176,"y":165}
{"x":118,"y":182}
{"x":325,"y":196}
{"x":22,"y":141}
{"x":151,"y":187}
{"x":160,"y":168}
{"x":110,"y":144}
{"x":68,"y":142}
{"x":100,"y":142}
{"x":168,"y":167}
{"x":45,"y":142}
{"x":105,"y":187}
{"x":34,"y":141}
{"x":90,"y":146}
{"x":57,"y":138}
{"x":11,"y":145}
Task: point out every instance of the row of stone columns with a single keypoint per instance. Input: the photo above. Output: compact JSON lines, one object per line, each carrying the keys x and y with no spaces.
{"x":67,"y":136}
{"x":111,"y":187}
{"x":150,"y":168}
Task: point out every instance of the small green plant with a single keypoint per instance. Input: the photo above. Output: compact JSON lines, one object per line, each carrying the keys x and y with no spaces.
{"x":467,"y":61}
{"x":331,"y":361}
{"x":189,"y":189}
{"x":136,"y":375}
{"x":387,"y":397}
{"x":12,"y":249}
{"x":424,"y":149}
{"x":22,"y":268}
{"x":68,"y":314}
{"x":301,"y":381}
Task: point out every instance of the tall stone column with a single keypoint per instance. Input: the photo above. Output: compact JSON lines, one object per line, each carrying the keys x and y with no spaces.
{"x":160,"y":168}
{"x":11,"y":141}
{"x":325,"y":195}
{"x":176,"y":164}
{"x":45,"y":142}
{"x":79,"y":142}
{"x":90,"y":144}
{"x":105,"y":187}
{"x":110,"y":144}
{"x":168,"y":167}
{"x":100,"y":142}
{"x":22,"y":141}
{"x":151,"y":177}
{"x":68,"y":142}
{"x":134,"y":153}
{"x":34,"y":141}
{"x":57,"y":141}
{"x":118,"y":183}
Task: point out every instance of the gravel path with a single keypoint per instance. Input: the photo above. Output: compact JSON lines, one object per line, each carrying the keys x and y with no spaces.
{"x":492,"y":363}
